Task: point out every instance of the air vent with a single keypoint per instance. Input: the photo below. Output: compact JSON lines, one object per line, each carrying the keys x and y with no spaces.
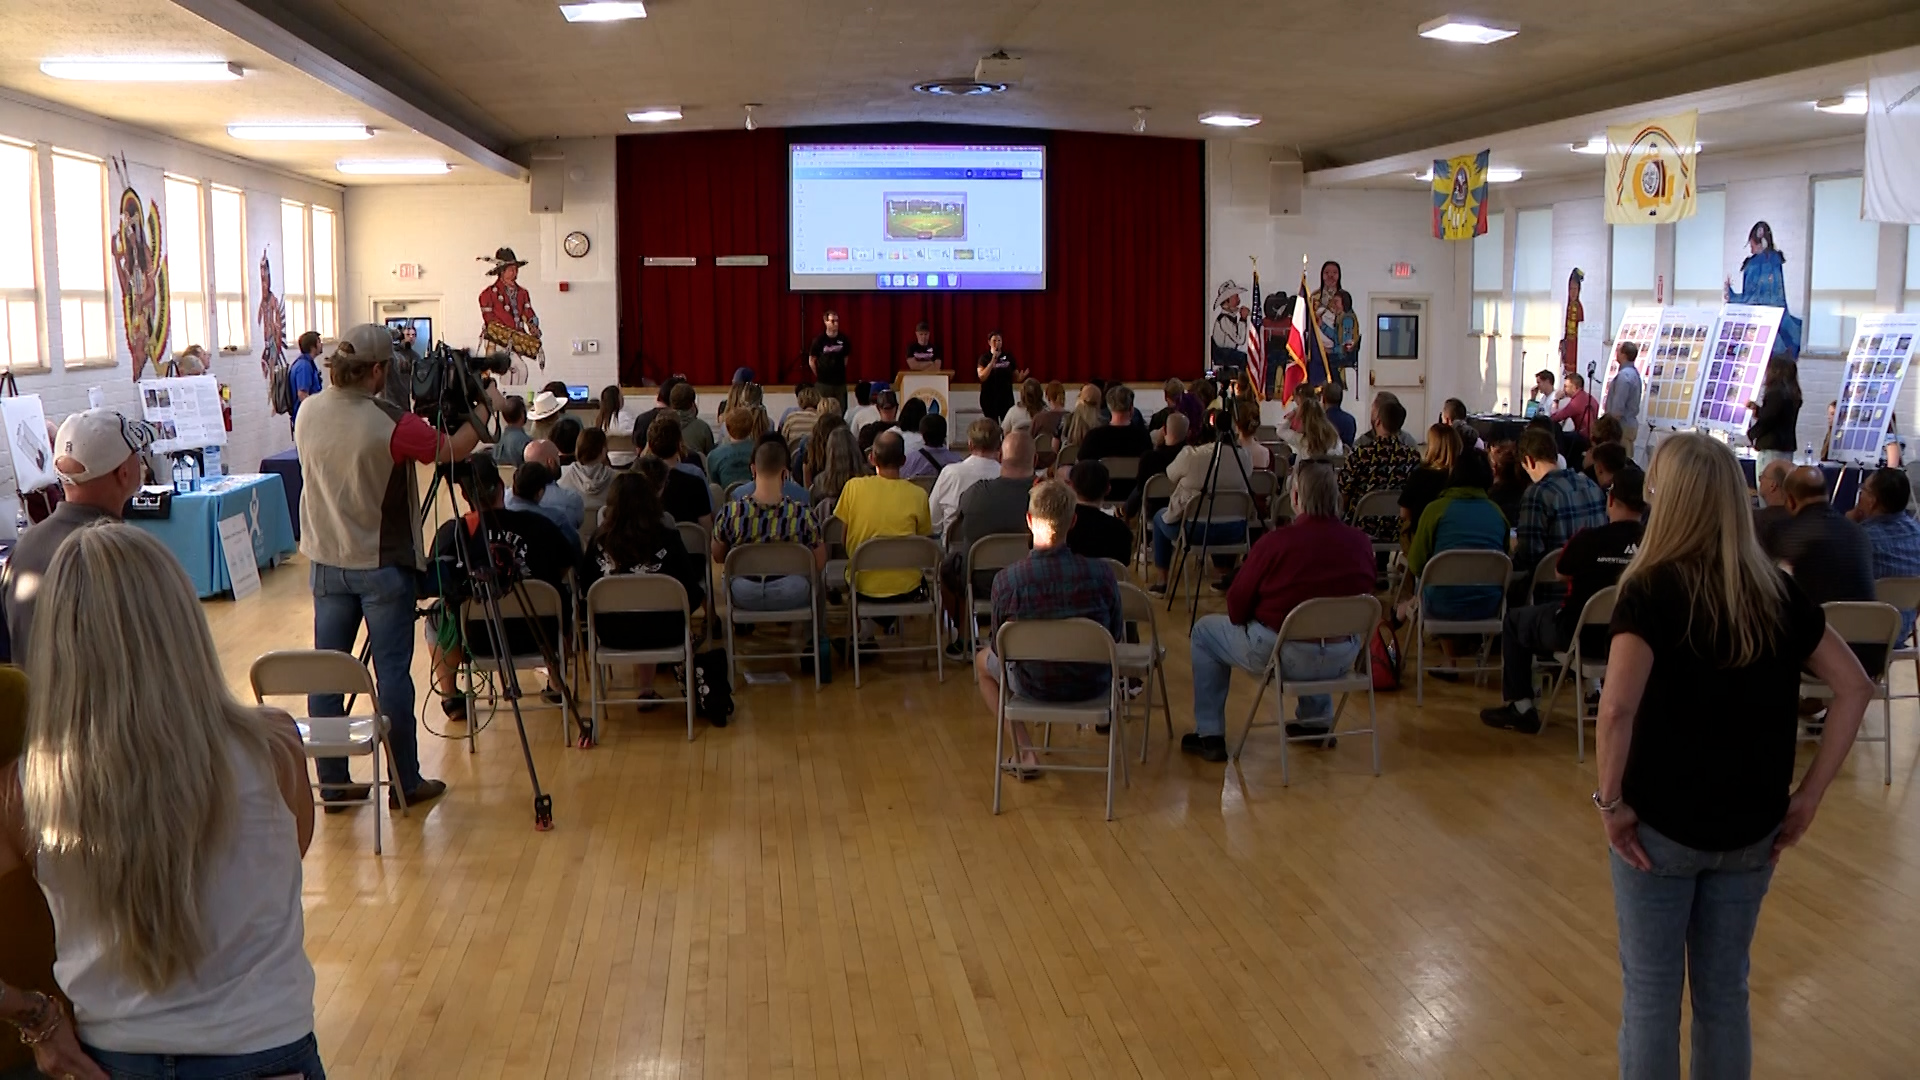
{"x":960,"y":87}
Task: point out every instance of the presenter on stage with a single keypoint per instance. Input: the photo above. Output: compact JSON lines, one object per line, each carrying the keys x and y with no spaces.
{"x":828,"y":358}
{"x":997,"y":375}
{"x":922,"y":353}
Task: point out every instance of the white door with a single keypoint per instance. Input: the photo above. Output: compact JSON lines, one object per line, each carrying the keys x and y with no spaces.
{"x":424,"y":315}
{"x":1397,"y":357}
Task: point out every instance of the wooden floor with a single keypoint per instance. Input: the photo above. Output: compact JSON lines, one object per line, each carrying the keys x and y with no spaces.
{"x":820,"y":890}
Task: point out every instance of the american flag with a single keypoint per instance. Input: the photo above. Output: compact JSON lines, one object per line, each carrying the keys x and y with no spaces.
{"x":1257,"y":346}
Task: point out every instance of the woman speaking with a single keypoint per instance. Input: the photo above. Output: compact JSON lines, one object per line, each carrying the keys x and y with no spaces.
{"x":997,"y":374}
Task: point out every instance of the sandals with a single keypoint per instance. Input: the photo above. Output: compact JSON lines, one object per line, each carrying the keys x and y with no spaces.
{"x":454,"y":709}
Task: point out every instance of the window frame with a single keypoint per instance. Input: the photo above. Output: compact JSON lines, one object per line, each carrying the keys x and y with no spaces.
{"x":69,"y":361}
{"x":325,"y":305}
{"x":1488,"y":309}
{"x":220,"y":297}
{"x":299,"y":304}
{"x":1850,"y":302}
{"x":1528,"y":322}
{"x":34,"y":295}
{"x":184,"y":302}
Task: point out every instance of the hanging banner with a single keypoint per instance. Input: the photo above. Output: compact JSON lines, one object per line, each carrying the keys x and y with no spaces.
{"x":1460,"y":196}
{"x":1650,"y":171}
{"x":1893,"y":139}
{"x":140,"y":267}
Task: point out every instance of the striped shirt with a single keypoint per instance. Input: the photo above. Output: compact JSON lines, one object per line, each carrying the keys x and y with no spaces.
{"x":749,"y":521}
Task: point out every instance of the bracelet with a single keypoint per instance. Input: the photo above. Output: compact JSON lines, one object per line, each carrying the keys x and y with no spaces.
{"x":1604,"y":806}
{"x":42,"y":1024}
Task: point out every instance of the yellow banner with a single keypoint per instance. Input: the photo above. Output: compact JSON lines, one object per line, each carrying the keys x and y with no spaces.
{"x":1460,"y":196}
{"x":1651,"y":177}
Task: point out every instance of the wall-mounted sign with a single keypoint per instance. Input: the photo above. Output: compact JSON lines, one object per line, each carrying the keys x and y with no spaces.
{"x":740,"y":260}
{"x":1400,"y":271}
{"x":669,"y":260}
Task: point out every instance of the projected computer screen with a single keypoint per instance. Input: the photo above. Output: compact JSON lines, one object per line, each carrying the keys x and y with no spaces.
{"x":917,"y":217}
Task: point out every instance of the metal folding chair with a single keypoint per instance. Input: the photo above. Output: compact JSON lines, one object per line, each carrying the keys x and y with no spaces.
{"x":636,"y":594}
{"x":1144,"y":660}
{"x":920,"y":553}
{"x":1057,"y":641}
{"x":1902,"y":593}
{"x":773,"y":560}
{"x":1874,"y":624}
{"x":541,"y":607}
{"x":1220,"y":508}
{"x":1576,"y":664}
{"x":300,"y":672}
{"x":1460,"y":566}
{"x":989,"y":553}
{"x":1317,"y":620}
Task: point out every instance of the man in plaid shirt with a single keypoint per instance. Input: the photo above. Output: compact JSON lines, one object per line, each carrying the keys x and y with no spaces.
{"x":1883,"y":512}
{"x":1050,"y":583}
{"x":1560,"y":503}
{"x":768,"y":516}
{"x":1382,"y":465}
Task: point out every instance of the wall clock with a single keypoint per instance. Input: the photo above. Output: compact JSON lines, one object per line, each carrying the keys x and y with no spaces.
{"x":576,"y":244}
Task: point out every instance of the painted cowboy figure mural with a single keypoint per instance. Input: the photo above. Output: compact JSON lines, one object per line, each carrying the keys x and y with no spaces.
{"x":507,"y":318}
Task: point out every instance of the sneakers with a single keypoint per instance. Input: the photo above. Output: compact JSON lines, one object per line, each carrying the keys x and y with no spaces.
{"x":1297,"y":729}
{"x":958,"y":652}
{"x":339,"y":800}
{"x":1205,"y":747}
{"x":1157,"y":590}
{"x":1511,"y":719}
{"x":424,"y":791}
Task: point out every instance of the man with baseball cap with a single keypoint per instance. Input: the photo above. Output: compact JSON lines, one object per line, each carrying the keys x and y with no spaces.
{"x":97,"y":454}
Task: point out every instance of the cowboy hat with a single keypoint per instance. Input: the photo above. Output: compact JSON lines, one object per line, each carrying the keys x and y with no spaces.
{"x":546,"y":404}
{"x":502,"y":258}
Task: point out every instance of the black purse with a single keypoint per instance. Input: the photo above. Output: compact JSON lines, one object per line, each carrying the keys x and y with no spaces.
{"x":150,"y":504}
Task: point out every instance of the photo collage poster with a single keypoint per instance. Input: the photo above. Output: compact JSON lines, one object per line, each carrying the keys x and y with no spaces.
{"x":1876,"y":365}
{"x":1638,"y":325}
{"x":185,"y":413}
{"x":1673,"y":367}
{"x":1736,"y":363}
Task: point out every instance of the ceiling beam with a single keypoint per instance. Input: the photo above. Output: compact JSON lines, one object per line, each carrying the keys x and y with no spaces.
{"x":271,"y":28}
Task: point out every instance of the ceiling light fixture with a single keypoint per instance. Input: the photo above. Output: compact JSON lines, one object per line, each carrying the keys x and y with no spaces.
{"x":300,"y":132}
{"x":133,"y":69}
{"x":1228,"y":120}
{"x":1498,"y":174}
{"x":960,"y":87}
{"x":655,"y":116}
{"x":1140,"y":119}
{"x":1853,"y":103}
{"x":604,"y":11}
{"x":1466,"y":30}
{"x":402,"y":167}
{"x":750,"y":107}
{"x":1598,"y":145}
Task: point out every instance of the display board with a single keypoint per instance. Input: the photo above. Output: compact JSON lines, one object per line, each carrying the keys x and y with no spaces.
{"x":1876,"y":366}
{"x":1736,"y":362}
{"x":1638,"y":325}
{"x":1673,"y":372}
{"x":27,"y":438}
{"x":185,"y":412}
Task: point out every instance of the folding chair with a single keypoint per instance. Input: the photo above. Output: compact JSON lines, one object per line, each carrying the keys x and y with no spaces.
{"x":541,"y":608}
{"x":1069,"y":454}
{"x":700,"y":546}
{"x":1264,"y":486}
{"x":1461,"y":566}
{"x":1318,"y":620}
{"x":1144,"y":660}
{"x":773,"y":560}
{"x":299,"y":672}
{"x":1874,"y":624}
{"x":1220,"y":508}
{"x":1574,"y":663}
{"x":636,"y":594}
{"x":920,"y":553}
{"x":717,"y":496}
{"x":1902,"y":593}
{"x":1266,"y":433}
{"x":989,"y":554}
{"x":1281,"y":509}
{"x":1153,"y":498}
{"x":1546,"y":574}
{"x":924,"y":483}
{"x":1057,"y":641}
{"x":732,"y":490}
{"x":1119,"y":469}
{"x":1384,"y":503}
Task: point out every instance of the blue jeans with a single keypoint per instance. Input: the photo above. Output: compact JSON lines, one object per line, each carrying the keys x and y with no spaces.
{"x":300,"y":1059}
{"x":384,"y":598}
{"x":1231,"y":532}
{"x":1218,"y":646}
{"x":783,"y":593}
{"x":1689,"y":919}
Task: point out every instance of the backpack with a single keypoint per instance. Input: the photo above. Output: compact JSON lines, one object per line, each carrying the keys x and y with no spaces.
{"x":708,"y":682}
{"x":280,"y":389}
{"x":1385,"y":647}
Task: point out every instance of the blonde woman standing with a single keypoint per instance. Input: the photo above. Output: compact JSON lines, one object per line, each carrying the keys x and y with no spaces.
{"x":165,"y":822}
{"x":1695,"y":745}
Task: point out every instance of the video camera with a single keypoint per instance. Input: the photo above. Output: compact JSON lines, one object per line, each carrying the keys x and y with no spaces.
{"x":1226,"y":387}
{"x":447,"y":386}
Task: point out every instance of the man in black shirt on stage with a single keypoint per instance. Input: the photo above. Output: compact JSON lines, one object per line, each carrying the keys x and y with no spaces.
{"x":922,"y":353}
{"x":828,"y":358}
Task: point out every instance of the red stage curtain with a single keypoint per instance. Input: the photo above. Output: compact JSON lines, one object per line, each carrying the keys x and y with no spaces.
{"x":1125,"y":282}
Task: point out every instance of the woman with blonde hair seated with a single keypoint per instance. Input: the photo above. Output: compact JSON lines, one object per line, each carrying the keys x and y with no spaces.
{"x":1090,"y":413}
{"x":165,"y":822}
{"x":1424,"y":484}
{"x":1032,"y":404}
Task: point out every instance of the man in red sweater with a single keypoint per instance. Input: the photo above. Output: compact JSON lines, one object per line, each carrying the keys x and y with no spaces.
{"x":1315,"y":556}
{"x":1580,"y":407}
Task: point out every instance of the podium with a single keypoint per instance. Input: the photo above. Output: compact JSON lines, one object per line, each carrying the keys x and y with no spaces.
{"x":928,"y":386}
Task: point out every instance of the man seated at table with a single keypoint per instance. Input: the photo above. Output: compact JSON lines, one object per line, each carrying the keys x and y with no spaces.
{"x":1580,"y":407}
{"x":96,"y":453}
{"x":1882,"y":513}
{"x":1050,"y":583}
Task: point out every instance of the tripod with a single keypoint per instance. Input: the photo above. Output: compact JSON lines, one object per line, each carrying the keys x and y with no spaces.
{"x":1209,"y":488}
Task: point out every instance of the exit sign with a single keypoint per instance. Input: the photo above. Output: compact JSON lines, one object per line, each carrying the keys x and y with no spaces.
{"x":1400,"y":271}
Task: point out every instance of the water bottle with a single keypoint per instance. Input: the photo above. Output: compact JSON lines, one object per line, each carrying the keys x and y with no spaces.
{"x":1809,"y":460}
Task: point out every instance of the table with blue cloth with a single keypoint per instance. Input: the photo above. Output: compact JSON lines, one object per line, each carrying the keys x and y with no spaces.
{"x":286,"y":465}
{"x":192,"y":532}
{"x":1843,"y":481}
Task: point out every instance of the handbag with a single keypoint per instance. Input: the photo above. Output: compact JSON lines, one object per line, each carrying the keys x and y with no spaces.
{"x":1384,"y":647}
{"x":150,"y":504}
{"x":710,"y":685}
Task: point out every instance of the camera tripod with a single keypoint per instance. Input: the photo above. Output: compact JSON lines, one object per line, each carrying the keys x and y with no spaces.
{"x":1223,"y":442}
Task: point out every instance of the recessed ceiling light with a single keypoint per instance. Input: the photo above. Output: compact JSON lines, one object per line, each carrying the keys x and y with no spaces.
{"x":405,"y":167}
{"x":1852,"y":104}
{"x":1498,"y":174}
{"x":1228,"y":120}
{"x":960,"y":87}
{"x":654,"y":116}
{"x":300,"y":132}
{"x":604,"y":11}
{"x":1466,"y":30}
{"x":134,"y":69}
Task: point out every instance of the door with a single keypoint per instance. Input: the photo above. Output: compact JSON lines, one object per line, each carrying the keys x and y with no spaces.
{"x":422,"y":315}
{"x":1397,"y":356}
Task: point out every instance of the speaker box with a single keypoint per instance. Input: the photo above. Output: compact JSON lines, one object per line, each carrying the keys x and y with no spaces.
{"x":547,"y":184}
{"x":1285,"y":179}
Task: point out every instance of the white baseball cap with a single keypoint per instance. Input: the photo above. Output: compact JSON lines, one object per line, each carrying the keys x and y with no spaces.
{"x":93,"y":443}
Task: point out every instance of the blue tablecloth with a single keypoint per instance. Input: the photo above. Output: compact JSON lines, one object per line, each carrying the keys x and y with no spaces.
{"x":286,"y":465}
{"x":193,"y":532}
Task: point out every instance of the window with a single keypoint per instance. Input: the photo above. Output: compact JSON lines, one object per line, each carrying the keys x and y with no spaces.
{"x":1700,"y":252}
{"x":1912,"y":297}
{"x":230,"y":267}
{"x":293,"y":245}
{"x":1536,"y":311}
{"x":19,"y":276}
{"x":324,"y":315}
{"x":80,"y":247}
{"x":1632,"y":267}
{"x":1489,"y":280}
{"x":1846,"y":261}
{"x":186,"y":269}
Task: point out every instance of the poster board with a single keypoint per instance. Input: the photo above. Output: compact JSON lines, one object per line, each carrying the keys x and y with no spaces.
{"x":1638,"y":325}
{"x":184,"y":412}
{"x":27,"y":440}
{"x":236,"y":547}
{"x":1876,"y":365}
{"x":1673,"y":367}
{"x":1736,"y":362}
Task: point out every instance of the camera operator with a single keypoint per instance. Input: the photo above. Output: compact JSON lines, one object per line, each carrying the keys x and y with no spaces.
{"x":360,"y":530}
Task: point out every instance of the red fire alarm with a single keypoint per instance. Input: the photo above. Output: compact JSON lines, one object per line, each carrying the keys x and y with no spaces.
{"x":563,"y":286}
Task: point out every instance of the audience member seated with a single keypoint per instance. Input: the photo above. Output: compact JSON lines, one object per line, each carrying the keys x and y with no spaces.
{"x":1425,"y":483}
{"x":1167,"y":444}
{"x":813,"y":458}
{"x":27,"y":948}
{"x":767,"y":515}
{"x":789,"y":487}
{"x":840,"y":462}
{"x":1510,"y":482}
{"x":1087,"y":415}
{"x":566,"y":438}
{"x":992,"y":506}
{"x":1313,"y":557}
{"x":1559,"y":504}
{"x":662,"y":406}
{"x":694,"y":432}
{"x":888,"y":408}
{"x":1454,"y":411}
{"x":864,"y":412}
{"x":636,"y":539}
{"x":536,"y":489}
{"x":1593,"y":560}
{"x":1032,"y":404}
{"x":1606,"y":429}
{"x":1373,"y":421}
{"x":1605,"y":460}
{"x":1579,"y":408}
{"x":1096,"y":533}
{"x":1052,"y":582}
{"x":912,"y":412}
{"x":1463,"y":517}
{"x":732,"y":462}
{"x":1830,"y":556}
{"x":1773,"y":513}
{"x":1342,"y":420}
{"x":981,"y":463}
{"x":1310,"y":434}
{"x":933,"y":454}
{"x":1382,"y":465}
{"x":1119,"y":437}
{"x":1883,"y":513}
{"x":590,"y":476}
{"x":884,"y":505}
{"x":1246,"y":432}
{"x":1229,"y":468}
{"x":513,"y":432}
{"x":1052,"y":424}
{"x":796,"y":425}
{"x":684,"y":495}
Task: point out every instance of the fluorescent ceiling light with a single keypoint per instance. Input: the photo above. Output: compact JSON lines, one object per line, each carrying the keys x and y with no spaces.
{"x":300,"y":132}
{"x":1228,"y":120}
{"x":1497,"y":174}
{"x":134,"y":69}
{"x":1598,"y":145}
{"x":1853,"y":104}
{"x":604,"y":11}
{"x":1466,"y":30}
{"x":654,"y":116}
{"x":408,"y":167}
